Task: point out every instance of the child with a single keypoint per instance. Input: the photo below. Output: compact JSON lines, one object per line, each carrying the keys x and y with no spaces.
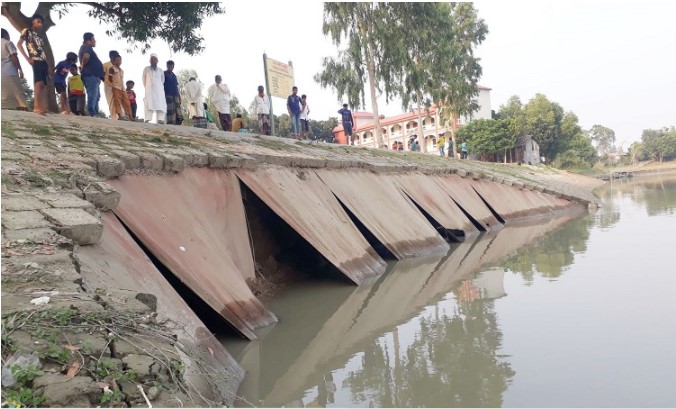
{"x":76,"y":92}
{"x":120,"y":100}
{"x":132,"y":99}
{"x":60,"y":73}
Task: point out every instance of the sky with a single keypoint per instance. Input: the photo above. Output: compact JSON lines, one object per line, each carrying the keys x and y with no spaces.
{"x":612,"y":63}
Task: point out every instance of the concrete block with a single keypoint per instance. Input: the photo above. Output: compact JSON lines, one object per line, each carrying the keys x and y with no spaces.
{"x":102,"y":195}
{"x":461,"y":173}
{"x":76,"y":224}
{"x":66,"y":200}
{"x":109,"y":167}
{"x":172,"y":163}
{"x":518,"y":184}
{"x":130,"y":160}
{"x":22,"y":203}
{"x":218,"y":160}
{"x":151,"y":162}
{"x":30,"y":219}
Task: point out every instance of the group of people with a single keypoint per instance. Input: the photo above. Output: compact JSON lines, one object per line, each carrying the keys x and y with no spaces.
{"x":80,"y":92}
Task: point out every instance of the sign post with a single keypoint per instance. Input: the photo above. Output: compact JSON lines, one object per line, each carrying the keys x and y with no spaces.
{"x":279,"y":80}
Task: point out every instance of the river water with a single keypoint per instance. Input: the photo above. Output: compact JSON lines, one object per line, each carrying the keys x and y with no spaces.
{"x":564,"y":313}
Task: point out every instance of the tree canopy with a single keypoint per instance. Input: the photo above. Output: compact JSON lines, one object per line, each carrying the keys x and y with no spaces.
{"x":137,"y":22}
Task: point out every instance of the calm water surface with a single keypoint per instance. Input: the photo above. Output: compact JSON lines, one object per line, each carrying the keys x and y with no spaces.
{"x":565,"y":313}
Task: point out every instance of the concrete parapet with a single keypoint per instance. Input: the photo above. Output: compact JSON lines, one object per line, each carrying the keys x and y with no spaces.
{"x":76,"y":224}
{"x":151,"y":161}
{"x":101,"y":195}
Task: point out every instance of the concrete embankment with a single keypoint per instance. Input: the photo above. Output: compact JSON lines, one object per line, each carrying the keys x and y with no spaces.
{"x":100,"y":216}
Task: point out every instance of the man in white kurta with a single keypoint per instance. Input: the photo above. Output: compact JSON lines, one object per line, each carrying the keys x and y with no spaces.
{"x":153,"y":81}
{"x":193,"y":92}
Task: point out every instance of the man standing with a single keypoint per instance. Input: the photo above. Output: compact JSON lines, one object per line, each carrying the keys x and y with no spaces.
{"x":346,"y":116}
{"x":13,"y":96}
{"x":107,"y":86}
{"x":37,"y":58}
{"x":153,"y":82}
{"x":172,"y":95}
{"x":91,"y":70}
{"x":262,"y":108}
{"x":304,"y":117}
{"x":60,"y":74}
{"x":193,"y":91}
{"x":294,"y":109}
{"x":463,"y":148}
{"x":441,"y":141}
{"x":219,"y":94}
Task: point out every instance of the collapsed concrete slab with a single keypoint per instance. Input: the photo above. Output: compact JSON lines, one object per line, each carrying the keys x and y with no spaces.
{"x":307,"y":205}
{"x":436,"y":202}
{"x":194,"y":223}
{"x":461,"y":191}
{"x":385,"y":211}
{"x":116,"y":261}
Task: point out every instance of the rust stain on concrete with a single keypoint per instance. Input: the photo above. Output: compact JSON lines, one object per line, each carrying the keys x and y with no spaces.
{"x":385,"y":211}
{"x":309,"y":207}
{"x":194,"y":223}
{"x":116,"y":261}
{"x":460,"y":190}
{"x":435,"y":201}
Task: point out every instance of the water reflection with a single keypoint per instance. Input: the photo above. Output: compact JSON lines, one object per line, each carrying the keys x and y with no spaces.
{"x":657,"y":194}
{"x":425,"y":334}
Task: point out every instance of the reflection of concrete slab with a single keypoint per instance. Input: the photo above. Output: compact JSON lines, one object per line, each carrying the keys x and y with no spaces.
{"x":309,"y":207}
{"x":461,"y":191}
{"x":370,"y":312}
{"x":117,"y":252}
{"x":435,"y":201}
{"x":491,"y":283}
{"x":385,"y":212}
{"x":194,"y":223}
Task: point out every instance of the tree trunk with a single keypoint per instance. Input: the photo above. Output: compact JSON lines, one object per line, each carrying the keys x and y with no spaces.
{"x":505,"y":160}
{"x":12,"y":11}
{"x":371,"y":67}
{"x":422,"y":142}
{"x":454,"y":128}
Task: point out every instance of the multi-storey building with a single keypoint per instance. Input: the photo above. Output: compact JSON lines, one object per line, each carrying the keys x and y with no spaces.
{"x":400,"y":128}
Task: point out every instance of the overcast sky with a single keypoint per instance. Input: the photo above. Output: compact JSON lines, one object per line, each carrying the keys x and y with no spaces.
{"x":610,"y":62}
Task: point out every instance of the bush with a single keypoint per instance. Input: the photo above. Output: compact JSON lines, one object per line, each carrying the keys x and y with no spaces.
{"x":570,"y":160}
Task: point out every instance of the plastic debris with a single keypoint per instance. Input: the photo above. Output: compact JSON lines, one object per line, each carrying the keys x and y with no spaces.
{"x":40,"y":300}
{"x":22,"y":359}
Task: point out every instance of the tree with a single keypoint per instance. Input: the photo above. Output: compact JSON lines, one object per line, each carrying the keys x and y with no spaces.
{"x":28,"y":92}
{"x":137,"y":22}
{"x":488,"y":137}
{"x":543,"y":120}
{"x":363,"y":26}
{"x":603,"y":139}
{"x":323,"y":130}
{"x":660,"y":144}
{"x":183,"y":78}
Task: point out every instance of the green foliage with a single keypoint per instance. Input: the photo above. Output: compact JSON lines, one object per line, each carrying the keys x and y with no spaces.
{"x":28,"y":92}
{"x":487,"y":136}
{"x":20,"y":398}
{"x":659,"y":144}
{"x":57,"y":353}
{"x":111,"y":397}
{"x":140,"y":23}
{"x":24,"y":375}
{"x":603,"y":138}
{"x":323,"y":130}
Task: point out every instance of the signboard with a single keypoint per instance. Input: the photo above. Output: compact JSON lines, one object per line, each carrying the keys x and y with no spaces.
{"x":280,"y":78}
